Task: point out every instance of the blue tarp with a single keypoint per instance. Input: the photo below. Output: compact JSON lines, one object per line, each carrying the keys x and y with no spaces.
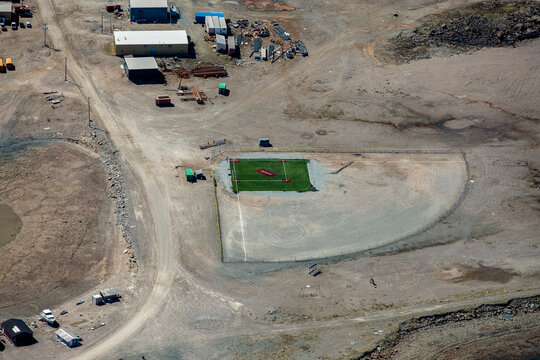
{"x":201,"y":15}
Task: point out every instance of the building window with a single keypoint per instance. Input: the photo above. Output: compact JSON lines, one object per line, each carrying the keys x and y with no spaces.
{"x":170,"y":46}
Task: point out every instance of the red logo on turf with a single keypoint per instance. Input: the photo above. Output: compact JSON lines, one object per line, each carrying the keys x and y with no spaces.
{"x":266,"y":172}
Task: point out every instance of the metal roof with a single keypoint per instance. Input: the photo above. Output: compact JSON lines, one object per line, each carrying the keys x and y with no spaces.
{"x":5,"y":6}
{"x":148,"y":3}
{"x":108,"y":292}
{"x":220,"y":39}
{"x":157,"y":37}
{"x":64,"y":334}
{"x":14,"y":327}
{"x":142,"y":63}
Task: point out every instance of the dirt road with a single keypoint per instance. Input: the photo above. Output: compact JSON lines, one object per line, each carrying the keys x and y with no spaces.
{"x":136,"y":159}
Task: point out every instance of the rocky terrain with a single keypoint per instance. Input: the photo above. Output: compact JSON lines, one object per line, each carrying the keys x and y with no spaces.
{"x":488,"y":24}
{"x":388,"y":347}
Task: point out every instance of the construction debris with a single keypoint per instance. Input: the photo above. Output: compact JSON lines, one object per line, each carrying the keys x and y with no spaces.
{"x":302,"y":48}
{"x":182,"y":73}
{"x":197,"y":96}
{"x":282,"y":33}
{"x":212,"y":144}
{"x":205,"y":71}
{"x":314,"y":270}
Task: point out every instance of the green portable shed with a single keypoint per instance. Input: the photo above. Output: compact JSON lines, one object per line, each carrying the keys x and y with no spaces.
{"x":189,"y":175}
{"x":222,"y":88}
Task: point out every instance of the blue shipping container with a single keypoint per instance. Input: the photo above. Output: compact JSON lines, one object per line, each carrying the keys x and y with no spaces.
{"x":200,"y":16}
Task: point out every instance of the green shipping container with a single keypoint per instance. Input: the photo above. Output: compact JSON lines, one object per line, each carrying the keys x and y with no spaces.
{"x":189,"y":175}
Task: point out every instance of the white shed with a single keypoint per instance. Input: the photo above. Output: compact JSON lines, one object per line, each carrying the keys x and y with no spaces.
{"x":209,"y":23}
{"x":152,"y":43}
{"x":67,"y":338}
{"x":222,"y":26}
{"x":221,"y":43}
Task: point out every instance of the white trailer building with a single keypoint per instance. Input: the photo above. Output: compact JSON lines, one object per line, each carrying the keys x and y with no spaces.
{"x":222,"y":26}
{"x":221,"y":43}
{"x":209,"y":24}
{"x":5,"y":12}
{"x":152,"y":43}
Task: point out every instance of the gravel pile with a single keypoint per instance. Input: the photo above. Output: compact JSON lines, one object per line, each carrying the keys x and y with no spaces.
{"x":493,"y":24}
{"x":116,"y":191}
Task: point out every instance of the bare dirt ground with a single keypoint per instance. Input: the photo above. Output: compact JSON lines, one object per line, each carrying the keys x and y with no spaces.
{"x":186,"y":303}
{"x":59,"y":193}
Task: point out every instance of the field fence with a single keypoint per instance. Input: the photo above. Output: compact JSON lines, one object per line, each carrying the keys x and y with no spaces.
{"x":230,"y":148}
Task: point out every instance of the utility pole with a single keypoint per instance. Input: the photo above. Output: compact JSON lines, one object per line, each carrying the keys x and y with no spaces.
{"x":102,"y":23}
{"x":45,"y":35}
{"x":65,"y":69}
{"x":89,"y":113}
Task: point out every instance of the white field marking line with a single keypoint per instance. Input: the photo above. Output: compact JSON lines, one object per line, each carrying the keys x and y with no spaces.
{"x":285,"y":171}
{"x":240,"y":215}
{"x":241,"y":226}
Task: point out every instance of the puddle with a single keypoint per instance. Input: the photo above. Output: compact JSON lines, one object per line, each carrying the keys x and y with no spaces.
{"x":459,"y":124}
{"x":460,"y":272}
{"x":10,"y":224}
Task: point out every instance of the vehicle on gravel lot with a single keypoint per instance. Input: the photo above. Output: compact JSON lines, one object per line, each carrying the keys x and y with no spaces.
{"x":9,"y":64}
{"x":21,"y":25}
{"x":48,"y":317}
{"x":28,"y":25}
{"x":163,"y":100}
{"x":14,"y":25}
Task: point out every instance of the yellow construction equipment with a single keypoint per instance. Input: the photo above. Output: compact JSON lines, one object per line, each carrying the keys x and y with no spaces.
{"x":2,"y":66}
{"x":9,"y":64}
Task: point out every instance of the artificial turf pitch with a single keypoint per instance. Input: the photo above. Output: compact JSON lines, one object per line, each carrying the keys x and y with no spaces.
{"x":269,"y":175}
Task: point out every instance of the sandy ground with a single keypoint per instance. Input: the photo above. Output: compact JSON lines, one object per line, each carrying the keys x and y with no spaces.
{"x":186,"y":303}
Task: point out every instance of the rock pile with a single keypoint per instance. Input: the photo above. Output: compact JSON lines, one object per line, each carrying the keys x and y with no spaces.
{"x":117,"y":192}
{"x":491,"y":24}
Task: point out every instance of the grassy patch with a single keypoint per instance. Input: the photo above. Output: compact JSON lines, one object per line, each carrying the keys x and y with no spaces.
{"x":269,"y":175}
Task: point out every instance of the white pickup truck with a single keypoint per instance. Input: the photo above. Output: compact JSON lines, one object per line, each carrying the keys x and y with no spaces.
{"x":48,"y":317}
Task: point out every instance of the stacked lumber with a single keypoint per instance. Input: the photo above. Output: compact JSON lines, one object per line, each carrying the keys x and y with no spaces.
{"x":205,"y":71}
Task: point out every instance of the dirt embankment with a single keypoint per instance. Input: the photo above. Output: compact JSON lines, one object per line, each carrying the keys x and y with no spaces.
{"x":488,"y":24}
{"x":484,"y":314}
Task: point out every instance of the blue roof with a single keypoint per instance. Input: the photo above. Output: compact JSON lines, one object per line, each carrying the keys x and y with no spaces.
{"x":209,"y":13}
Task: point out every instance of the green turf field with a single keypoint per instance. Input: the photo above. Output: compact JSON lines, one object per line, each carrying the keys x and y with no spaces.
{"x":269,"y":175}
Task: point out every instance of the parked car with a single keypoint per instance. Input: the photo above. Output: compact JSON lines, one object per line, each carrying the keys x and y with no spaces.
{"x":48,"y":317}
{"x":28,"y":25}
{"x":3,"y":26}
{"x":14,"y":25}
{"x":21,"y":25}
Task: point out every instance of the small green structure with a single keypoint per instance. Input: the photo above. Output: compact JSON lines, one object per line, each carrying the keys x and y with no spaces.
{"x":222,"y":88}
{"x":189,"y":175}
